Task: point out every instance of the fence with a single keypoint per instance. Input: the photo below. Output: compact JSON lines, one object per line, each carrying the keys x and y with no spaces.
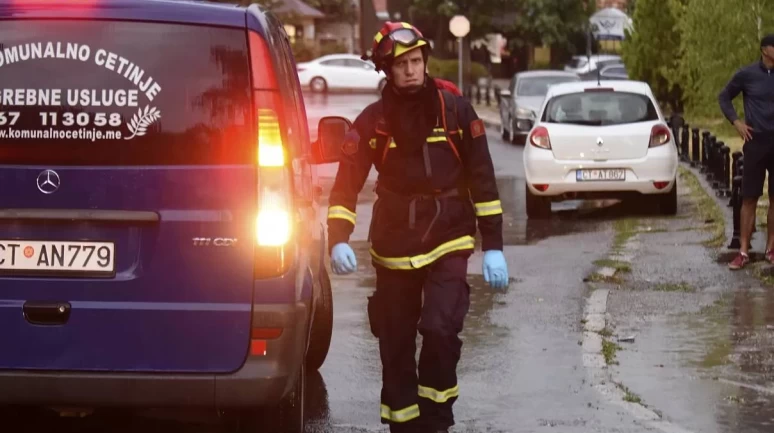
{"x":714,"y":159}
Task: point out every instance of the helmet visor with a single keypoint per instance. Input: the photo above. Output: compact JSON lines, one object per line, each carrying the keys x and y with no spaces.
{"x":405,"y":37}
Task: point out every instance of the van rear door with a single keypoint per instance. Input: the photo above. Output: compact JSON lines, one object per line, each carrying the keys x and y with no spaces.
{"x":128,"y":185}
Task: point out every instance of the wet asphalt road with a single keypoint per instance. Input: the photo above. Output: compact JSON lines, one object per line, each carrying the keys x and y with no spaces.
{"x":521,"y":368}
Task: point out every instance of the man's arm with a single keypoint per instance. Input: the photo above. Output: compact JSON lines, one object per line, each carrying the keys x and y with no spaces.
{"x":350,"y":179}
{"x":727,"y":95}
{"x":479,"y":171}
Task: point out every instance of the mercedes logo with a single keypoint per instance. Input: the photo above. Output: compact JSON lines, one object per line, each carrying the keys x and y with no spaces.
{"x":600,"y":142}
{"x":48,"y":181}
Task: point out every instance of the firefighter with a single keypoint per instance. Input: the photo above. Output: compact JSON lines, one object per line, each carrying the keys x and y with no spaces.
{"x":435,"y":184}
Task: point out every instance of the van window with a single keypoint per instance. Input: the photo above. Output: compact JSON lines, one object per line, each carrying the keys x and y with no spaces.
{"x":124,"y":93}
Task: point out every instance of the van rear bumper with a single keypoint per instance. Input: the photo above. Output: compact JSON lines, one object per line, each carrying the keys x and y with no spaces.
{"x":262,"y":380}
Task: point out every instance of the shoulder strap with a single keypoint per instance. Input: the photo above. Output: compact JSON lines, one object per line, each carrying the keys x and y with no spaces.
{"x":449,"y":118}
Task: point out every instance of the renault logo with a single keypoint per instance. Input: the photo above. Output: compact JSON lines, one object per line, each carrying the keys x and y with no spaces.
{"x":48,"y":181}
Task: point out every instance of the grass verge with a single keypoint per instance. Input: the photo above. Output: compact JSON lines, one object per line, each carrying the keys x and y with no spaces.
{"x":629,"y":395}
{"x":618,"y":265}
{"x":707,"y":209}
{"x":609,"y":350}
{"x":625,"y":229}
{"x":675,"y":287}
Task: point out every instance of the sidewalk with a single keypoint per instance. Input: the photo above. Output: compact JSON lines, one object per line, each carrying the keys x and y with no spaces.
{"x":688,"y":342}
{"x":489,"y":114}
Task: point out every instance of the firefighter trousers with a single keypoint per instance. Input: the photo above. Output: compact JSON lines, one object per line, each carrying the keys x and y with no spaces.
{"x":434,"y":301}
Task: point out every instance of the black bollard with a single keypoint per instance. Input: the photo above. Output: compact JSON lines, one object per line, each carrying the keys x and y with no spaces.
{"x":706,"y":158}
{"x":497,"y":95}
{"x":695,"y":148}
{"x":478,"y":95}
{"x":685,"y":141}
{"x":725,"y":170}
{"x":488,"y":96}
{"x":734,"y":172}
{"x":736,"y":199}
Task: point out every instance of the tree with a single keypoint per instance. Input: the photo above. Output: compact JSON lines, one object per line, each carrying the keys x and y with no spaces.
{"x":343,"y":11}
{"x":717,"y":38}
{"x":651,"y":50}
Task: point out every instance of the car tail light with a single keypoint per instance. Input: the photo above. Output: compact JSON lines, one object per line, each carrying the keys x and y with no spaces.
{"x":661,"y":184}
{"x":539,"y":138}
{"x":275,"y":219}
{"x":659,"y":135}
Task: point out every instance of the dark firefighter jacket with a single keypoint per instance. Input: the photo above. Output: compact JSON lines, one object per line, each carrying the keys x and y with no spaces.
{"x":430,"y":196}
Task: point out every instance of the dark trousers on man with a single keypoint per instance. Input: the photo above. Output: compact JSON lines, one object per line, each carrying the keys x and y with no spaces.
{"x":433,"y":300}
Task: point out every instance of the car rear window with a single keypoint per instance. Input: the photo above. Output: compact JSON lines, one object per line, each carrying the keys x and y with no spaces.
{"x":600,"y":108}
{"x":124,"y":93}
{"x":538,"y":86}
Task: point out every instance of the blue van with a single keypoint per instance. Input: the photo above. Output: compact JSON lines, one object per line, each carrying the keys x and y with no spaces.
{"x":159,"y":238}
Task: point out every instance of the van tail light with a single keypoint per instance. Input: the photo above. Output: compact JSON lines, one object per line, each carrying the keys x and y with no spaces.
{"x":539,"y":138}
{"x":659,"y":136}
{"x":274,"y":221}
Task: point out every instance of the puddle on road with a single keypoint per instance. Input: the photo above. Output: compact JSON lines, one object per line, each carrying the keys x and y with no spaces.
{"x":732,"y":342}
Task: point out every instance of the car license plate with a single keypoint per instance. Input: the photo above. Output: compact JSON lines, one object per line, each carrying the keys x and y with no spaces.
{"x":22,"y":257}
{"x":603,"y":174}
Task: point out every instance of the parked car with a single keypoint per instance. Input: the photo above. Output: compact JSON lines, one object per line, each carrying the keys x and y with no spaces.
{"x":614,"y":72}
{"x":523,"y":98}
{"x":598,"y":71}
{"x":158,"y":243}
{"x":340,"y":71}
{"x":584,"y":64}
{"x":600,"y":141}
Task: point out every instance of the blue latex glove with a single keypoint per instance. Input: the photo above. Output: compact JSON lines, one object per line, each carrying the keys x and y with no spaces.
{"x":495,"y":269}
{"x":343,"y":259}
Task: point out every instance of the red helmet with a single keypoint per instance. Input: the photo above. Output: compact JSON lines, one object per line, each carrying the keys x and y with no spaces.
{"x":393,"y":40}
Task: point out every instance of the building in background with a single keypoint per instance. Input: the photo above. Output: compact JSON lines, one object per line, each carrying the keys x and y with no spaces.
{"x":299,"y":18}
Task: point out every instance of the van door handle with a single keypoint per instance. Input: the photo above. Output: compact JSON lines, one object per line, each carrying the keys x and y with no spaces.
{"x":47,"y":313}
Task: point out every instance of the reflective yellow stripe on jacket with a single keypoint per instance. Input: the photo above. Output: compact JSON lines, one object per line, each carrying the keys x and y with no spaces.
{"x":439,"y":396}
{"x":372,"y":143}
{"x":415,"y":262}
{"x":439,"y":135}
{"x":401,"y":415}
{"x":489,"y":208}
{"x":340,"y":212}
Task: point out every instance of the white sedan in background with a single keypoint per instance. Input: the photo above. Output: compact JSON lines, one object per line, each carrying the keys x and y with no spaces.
{"x":340,"y":71}
{"x":598,"y":141}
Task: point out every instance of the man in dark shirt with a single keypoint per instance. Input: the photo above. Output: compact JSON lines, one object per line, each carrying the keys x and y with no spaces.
{"x":756,"y":83}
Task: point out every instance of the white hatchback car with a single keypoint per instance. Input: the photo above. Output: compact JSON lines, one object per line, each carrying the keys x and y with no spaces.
{"x":600,"y":140}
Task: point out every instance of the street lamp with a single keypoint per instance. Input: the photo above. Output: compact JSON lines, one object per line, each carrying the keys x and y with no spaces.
{"x":459,"y":26}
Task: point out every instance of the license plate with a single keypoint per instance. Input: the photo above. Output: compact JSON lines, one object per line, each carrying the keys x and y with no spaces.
{"x":54,"y":257}
{"x":604,"y":174}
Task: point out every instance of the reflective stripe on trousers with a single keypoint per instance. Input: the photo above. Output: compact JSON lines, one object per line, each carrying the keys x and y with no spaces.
{"x":421,"y":260}
{"x":401,"y":415}
{"x":439,"y":396}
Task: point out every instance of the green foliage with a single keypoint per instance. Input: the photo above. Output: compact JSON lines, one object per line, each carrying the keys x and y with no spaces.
{"x":447,"y":69}
{"x":335,"y":10}
{"x":305,"y":51}
{"x":689,"y":49}
{"x":718,"y":37}
{"x":652,"y":50}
